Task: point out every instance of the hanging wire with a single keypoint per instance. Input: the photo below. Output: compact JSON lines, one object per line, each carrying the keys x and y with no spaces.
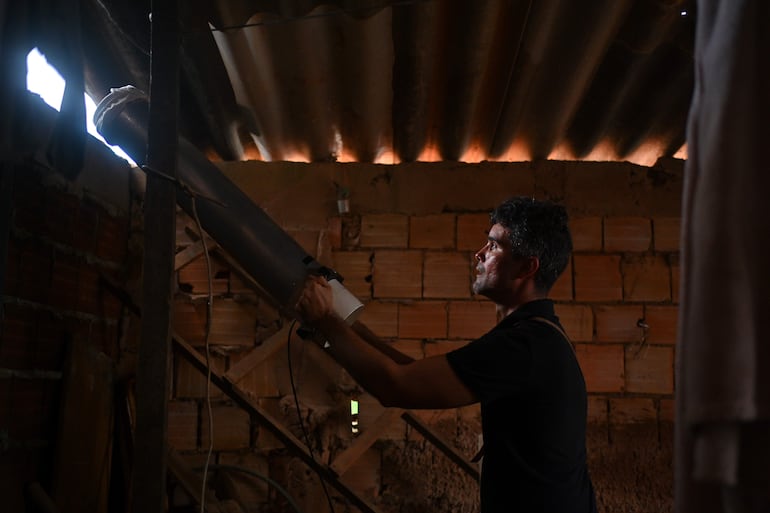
{"x":209,"y":318}
{"x":299,"y":416}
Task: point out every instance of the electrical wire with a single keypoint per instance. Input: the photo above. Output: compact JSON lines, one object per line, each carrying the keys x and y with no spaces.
{"x":336,"y":12}
{"x":209,"y":316}
{"x":299,"y":416}
{"x":269,"y":481}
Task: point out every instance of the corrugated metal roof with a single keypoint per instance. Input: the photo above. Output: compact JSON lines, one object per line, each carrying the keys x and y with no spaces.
{"x":417,"y":80}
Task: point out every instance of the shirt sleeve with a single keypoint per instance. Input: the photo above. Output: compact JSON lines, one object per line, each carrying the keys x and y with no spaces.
{"x":496,"y":365}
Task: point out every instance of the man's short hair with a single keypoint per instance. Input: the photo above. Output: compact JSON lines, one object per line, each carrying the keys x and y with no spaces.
{"x":537,"y":229}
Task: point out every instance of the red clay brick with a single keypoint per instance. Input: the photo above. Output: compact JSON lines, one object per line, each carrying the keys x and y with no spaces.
{"x":232,"y":428}
{"x":586,"y":233}
{"x":112,"y":241}
{"x":333,"y":232}
{"x":675,"y":279}
{"x":662,"y":322}
{"x":384,"y":230}
{"x":597,"y":410}
{"x":446,"y":275}
{"x":627,"y":234}
{"x":472,"y":231}
{"x":381,"y":317}
{"x":426,"y":319}
{"x":85,"y":229}
{"x":650,"y":369}
{"x":34,"y":271}
{"x":666,"y":233}
{"x":471,"y":319}
{"x":182,"y":425}
{"x":597,"y":278}
{"x":190,"y":383}
{"x":562,"y":289}
{"x":88,"y":297}
{"x":602,"y":367}
{"x":189,"y":321}
{"x":356,"y":270}
{"x":577,"y":320}
{"x":435,"y":231}
{"x":233,"y":323}
{"x":64,"y":280}
{"x":29,"y":198}
{"x":61,"y":211}
{"x":632,"y":410}
{"x":194,"y":277}
{"x":646,"y":279}
{"x":398,"y":274}
{"x":18,"y":327}
{"x":618,"y":323}
{"x":667,"y":410}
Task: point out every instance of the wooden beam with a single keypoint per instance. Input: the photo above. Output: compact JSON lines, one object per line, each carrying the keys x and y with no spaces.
{"x":191,"y":481}
{"x":365,"y":440}
{"x":258,"y":355}
{"x":250,"y":404}
{"x":152,"y":376}
{"x":192,"y":252}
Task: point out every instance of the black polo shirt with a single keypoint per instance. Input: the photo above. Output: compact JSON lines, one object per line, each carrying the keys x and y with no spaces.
{"x":533,"y":414}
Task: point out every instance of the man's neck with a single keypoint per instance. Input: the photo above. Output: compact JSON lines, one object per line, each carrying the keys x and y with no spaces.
{"x":507,"y":308}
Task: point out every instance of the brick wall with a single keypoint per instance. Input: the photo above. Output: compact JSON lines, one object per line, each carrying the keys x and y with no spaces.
{"x":63,"y":245}
{"x":406,"y":250}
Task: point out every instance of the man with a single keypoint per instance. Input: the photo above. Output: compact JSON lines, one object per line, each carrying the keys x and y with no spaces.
{"x":523,"y":372}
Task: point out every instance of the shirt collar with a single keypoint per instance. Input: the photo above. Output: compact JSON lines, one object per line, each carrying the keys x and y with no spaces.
{"x":537,"y":308}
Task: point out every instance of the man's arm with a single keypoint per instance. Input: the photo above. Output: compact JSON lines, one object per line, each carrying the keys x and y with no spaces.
{"x":429,"y":383}
{"x":373,"y":340}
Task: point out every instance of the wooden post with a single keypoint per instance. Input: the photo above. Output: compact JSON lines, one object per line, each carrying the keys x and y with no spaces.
{"x":153,"y":371}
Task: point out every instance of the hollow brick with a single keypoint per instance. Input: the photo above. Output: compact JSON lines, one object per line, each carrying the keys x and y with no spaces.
{"x":649,"y":369}
{"x":597,"y":278}
{"x":618,"y":323}
{"x":586,"y":233}
{"x":384,"y":230}
{"x":446,"y":275}
{"x":663,"y":324}
{"x":381,"y":317}
{"x":666,"y":233}
{"x":397,"y":274}
{"x":426,"y":319}
{"x":577,"y":320}
{"x":627,"y":234}
{"x":472,"y":231}
{"x":602,"y":366}
{"x":356,"y":270}
{"x":646,"y":278}
{"x":432,"y":232}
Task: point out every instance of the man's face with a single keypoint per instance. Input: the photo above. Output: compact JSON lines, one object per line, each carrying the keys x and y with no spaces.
{"x":494,"y":264}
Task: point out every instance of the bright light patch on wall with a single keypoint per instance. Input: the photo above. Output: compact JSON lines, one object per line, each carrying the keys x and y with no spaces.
{"x":354,"y":416}
{"x":44,"y":80}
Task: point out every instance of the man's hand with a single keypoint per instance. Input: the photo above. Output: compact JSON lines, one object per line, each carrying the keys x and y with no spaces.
{"x":316,"y":300}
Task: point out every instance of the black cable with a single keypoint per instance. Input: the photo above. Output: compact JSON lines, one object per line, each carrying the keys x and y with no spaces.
{"x":336,"y":12}
{"x":266,"y":479}
{"x":299,"y":416}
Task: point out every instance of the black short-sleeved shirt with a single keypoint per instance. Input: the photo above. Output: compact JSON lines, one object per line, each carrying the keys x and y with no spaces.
{"x":533,"y":415}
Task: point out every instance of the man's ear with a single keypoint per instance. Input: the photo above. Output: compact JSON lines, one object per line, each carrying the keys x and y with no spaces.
{"x":529,"y":267}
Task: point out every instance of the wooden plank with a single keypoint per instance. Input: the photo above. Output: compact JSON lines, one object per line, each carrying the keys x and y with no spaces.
{"x":153,"y":369}
{"x":249,"y":403}
{"x":257,"y":355}
{"x":441,"y":445}
{"x":365,"y":440}
{"x":82,"y":463}
{"x":192,"y":252}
